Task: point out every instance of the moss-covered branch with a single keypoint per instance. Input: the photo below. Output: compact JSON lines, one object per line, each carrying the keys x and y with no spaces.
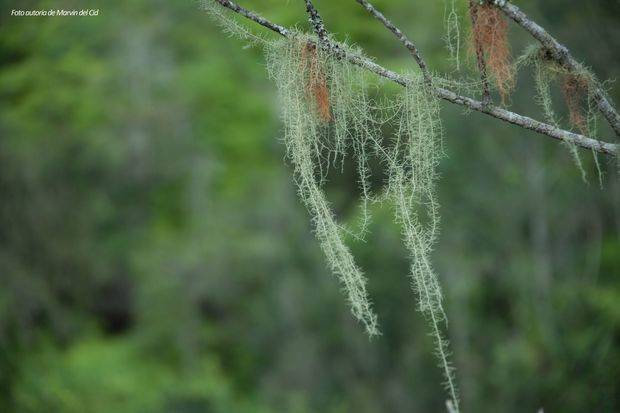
{"x":448,"y":95}
{"x":561,"y":55}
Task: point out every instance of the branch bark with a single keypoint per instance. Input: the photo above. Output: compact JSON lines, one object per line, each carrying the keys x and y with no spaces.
{"x":448,"y":95}
{"x":316,"y":21}
{"x":415,"y":53}
{"x":562,"y":56}
{"x":254,"y":17}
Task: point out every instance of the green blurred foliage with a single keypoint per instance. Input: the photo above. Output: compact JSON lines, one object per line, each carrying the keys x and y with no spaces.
{"x":154,"y":257}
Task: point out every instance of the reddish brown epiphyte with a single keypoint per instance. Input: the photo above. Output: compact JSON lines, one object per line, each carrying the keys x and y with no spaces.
{"x":316,"y":82}
{"x":575,"y":89}
{"x":490,"y":37}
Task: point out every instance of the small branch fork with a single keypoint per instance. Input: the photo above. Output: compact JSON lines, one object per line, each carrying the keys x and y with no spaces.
{"x":399,"y":34}
{"x":448,"y":95}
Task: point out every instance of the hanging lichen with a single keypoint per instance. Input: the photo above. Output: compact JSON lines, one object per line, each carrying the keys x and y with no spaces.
{"x":324,"y":111}
{"x":452,"y":32}
{"x":229,"y":25}
{"x":545,"y":74}
{"x":489,"y":42}
{"x":328,"y":117}
{"x":578,"y":95}
{"x":577,"y":91}
{"x":413,"y":170}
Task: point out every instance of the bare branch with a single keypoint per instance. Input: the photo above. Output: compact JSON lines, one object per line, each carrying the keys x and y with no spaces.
{"x":531,"y":124}
{"x":562,"y":56}
{"x":254,"y":17}
{"x":494,"y":111}
{"x":400,"y":35}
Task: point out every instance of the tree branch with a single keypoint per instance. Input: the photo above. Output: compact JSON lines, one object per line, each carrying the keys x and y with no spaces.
{"x":562,"y":56}
{"x":316,"y":21}
{"x":494,"y":111}
{"x":415,"y":53}
{"x":254,"y":17}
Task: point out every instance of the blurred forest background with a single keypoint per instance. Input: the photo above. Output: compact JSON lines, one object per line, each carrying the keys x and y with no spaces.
{"x":154,"y":256}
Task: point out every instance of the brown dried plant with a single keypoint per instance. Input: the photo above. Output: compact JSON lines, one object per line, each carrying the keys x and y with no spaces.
{"x":316,"y":86}
{"x":489,"y":37}
{"x":575,"y":90}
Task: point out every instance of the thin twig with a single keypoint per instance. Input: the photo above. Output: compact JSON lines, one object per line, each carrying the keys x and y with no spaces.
{"x":316,"y":21}
{"x":561,"y":55}
{"x":494,"y":111}
{"x":415,"y":53}
{"x":254,"y":17}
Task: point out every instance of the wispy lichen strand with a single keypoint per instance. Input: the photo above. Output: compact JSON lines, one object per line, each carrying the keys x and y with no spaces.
{"x":415,"y":156}
{"x":314,"y":144}
{"x":453,"y":32}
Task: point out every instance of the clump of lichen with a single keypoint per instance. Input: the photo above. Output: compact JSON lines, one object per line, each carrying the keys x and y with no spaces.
{"x":577,"y":91}
{"x":328,"y":117}
{"x":325,"y":115}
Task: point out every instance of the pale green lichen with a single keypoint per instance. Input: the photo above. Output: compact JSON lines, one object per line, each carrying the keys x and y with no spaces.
{"x":452,"y":32}
{"x":413,"y":164}
{"x":327,"y":116}
{"x":229,"y":25}
{"x":315,"y":144}
{"x":547,"y":72}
